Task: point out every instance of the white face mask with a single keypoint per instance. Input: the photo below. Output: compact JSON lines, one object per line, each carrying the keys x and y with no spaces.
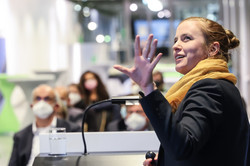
{"x":135,"y":122}
{"x":90,"y":84}
{"x":42,"y":109}
{"x":74,"y":98}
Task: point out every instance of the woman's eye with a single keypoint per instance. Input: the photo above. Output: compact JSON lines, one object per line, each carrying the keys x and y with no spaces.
{"x":187,"y":38}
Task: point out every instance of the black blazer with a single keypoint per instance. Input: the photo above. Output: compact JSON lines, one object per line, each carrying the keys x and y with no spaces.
{"x":209,"y":128}
{"x":23,"y":142}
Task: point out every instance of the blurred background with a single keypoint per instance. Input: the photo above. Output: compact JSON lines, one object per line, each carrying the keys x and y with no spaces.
{"x":55,"y":41}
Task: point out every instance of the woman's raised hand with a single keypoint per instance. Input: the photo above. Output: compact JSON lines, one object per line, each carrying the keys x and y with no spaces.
{"x":144,"y":64}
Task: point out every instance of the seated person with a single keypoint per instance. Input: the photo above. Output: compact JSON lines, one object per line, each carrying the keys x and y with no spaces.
{"x":26,"y":141}
{"x":75,"y":97}
{"x":73,"y":114}
{"x":134,"y":120}
{"x":101,"y":115}
{"x":62,"y":99}
{"x":159,"y":81}
{"x":93,"y":90}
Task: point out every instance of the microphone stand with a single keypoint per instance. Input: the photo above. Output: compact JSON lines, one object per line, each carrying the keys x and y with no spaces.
{"x":127,"y":100}
{"x":84,"y":118}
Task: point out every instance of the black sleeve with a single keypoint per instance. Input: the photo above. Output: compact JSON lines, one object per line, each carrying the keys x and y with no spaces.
{"x":187,"y":130}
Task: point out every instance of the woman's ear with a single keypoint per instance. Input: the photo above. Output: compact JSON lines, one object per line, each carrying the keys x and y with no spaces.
{"x":214,"y":48}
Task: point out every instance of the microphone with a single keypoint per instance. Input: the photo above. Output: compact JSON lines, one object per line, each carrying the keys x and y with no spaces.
{"x":127,"y":100}
{"x":151,"y":155}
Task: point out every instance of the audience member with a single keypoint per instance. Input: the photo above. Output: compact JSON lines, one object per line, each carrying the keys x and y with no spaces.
{"x":75,"y":97}
{"x":93,"y":90}
{"x":134,"y":119}
{"x":73,"y":114}
{"x":159,"y":81}
{"x":26,"y":141}
{"x":62,"y":100}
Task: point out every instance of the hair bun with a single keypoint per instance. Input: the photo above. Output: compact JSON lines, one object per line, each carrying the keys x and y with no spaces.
{"x":233,"y":41}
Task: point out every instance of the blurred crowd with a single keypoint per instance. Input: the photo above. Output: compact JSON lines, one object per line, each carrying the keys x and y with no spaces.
{"x":76,"y":97}
{"x":65,"y":106}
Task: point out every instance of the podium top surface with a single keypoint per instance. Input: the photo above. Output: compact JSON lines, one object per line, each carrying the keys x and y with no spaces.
{"x":96,"y":159}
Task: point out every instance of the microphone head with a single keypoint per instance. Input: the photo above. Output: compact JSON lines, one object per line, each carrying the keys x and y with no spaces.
{"x":150,"y":154}
{"x":128,"y":100}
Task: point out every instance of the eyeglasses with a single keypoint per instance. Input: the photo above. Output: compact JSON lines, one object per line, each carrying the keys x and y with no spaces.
{"x":46,"y":98}
{"x":137,"y":111}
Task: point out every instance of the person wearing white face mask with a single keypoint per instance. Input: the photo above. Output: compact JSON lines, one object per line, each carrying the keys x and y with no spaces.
{"x":75,"y":97}
{"x":133,"y":119}
{"x":93,"y":90}
{"x":136,"y":119}
{"x":26,"y":141}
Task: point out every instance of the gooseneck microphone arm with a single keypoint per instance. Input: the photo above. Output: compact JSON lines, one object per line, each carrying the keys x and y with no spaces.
{"x":84,"y":118}
{"x":127,"y":100}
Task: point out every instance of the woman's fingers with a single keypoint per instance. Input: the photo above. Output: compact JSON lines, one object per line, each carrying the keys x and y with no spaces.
{"x":144,"y":63}
{"x":147,"y":162}
{"x":156,"y":60}
{"x":122,"y":69}
{"x":151,"y":54}
{"x":137,"y":46}
{"x":147,"y":48}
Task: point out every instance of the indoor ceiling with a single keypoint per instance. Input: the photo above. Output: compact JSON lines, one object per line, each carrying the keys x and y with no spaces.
{"x":116,"y":6}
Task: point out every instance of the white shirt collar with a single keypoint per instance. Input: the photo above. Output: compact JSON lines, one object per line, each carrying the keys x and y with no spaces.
{"x":37,"y":130}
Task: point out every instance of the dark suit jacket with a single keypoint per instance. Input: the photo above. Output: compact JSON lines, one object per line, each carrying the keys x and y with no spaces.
{"x":23,"y":142}
{"x":209,"y":128}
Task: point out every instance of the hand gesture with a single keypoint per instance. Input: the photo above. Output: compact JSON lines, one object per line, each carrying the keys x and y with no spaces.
{"x":144,"y":64}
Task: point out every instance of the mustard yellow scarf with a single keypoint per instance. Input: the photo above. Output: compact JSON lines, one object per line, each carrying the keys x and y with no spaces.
{"x":208,"y":68}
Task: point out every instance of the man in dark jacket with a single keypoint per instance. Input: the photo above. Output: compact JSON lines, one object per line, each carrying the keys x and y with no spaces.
{"x":26,"y":142}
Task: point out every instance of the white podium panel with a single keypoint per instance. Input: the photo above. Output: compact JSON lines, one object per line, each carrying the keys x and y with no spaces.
{"x":103,"y":142}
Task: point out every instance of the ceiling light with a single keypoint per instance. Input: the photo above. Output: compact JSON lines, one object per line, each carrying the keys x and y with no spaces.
{"x":107,"y":38}
{"x":92,"y":26}
{"x":160,"y":14}
{"x":99,"y":38}
{"x":77,"y":8}
{"x":86,"y":11}
{"x":155,"y":5}
{"x":133,"y":7}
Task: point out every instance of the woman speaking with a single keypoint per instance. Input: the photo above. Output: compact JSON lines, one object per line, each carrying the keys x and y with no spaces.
{"x":201,"y":121}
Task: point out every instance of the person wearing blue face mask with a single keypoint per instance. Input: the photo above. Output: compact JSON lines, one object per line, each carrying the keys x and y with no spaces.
{"x":26,"y":141}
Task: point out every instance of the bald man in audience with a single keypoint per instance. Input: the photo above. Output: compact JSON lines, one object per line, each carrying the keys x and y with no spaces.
{"x":26,"y":142}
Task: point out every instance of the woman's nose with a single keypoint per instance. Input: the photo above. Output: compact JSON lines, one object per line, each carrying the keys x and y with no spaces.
{"x":176,"y":46}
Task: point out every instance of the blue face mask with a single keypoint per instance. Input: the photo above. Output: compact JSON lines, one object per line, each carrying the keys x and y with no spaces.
{"x":123,"y":112}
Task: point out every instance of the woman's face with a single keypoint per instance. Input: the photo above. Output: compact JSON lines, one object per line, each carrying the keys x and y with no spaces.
{"x":189,"y":47}
{"x":90,"y":82}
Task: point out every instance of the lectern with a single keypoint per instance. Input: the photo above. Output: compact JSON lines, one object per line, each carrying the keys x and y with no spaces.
{"x":104,"y":149}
